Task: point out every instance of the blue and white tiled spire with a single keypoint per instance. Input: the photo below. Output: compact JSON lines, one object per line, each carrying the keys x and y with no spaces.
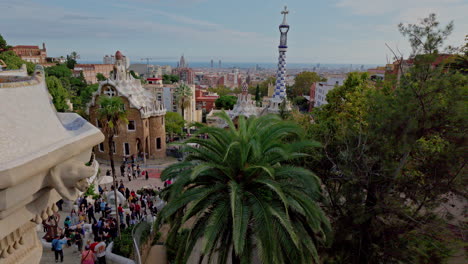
{"x":280,"y":88}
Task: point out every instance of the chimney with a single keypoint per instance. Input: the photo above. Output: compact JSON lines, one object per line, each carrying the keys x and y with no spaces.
{"x":43,"y":46}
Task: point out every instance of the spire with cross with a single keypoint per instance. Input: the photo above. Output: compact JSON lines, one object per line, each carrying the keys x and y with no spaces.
{"x":285,"y":12}
{"x":280,"y":88}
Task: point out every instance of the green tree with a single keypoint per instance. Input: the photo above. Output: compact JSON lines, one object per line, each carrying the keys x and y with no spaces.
{"x":221,"y":90}
{"x":302,"y":83}
{"x":59,"y":71}
{"x":301,"y":102}
{"x":111,"y":114}
{"x":183,"y":95}
{"x":100,"y":77}
{"x":59,"y":94}
{"x":426,"y":37}
{"x":71,"y":60}
{"x":3,"y":43}
{"x":169,"y":78}
{"x":174,"y":124}
{"x":391,"y":157}
{"x":257,"y":95}
{"x":226,"y":102}
{"x":236,"y":194}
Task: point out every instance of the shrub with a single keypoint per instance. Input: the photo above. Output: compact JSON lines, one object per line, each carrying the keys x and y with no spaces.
{"x":90,"y":191}
{"x":124,"y":246}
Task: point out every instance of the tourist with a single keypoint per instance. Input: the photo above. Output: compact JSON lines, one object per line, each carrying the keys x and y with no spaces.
{"x":129,"y":177}
{"x":91,"y":213}
{"x":78,"y":239}
{"x":100,"y":250}
{"x":121,"y":211}
{"x":138,"y":210}
{"x":81,"y":217}
{"x":97,"y":205}
{"x":103,"y":207}
{"x":67,"y":222}
{"x":108,"y":210}
{"x":84,"y":202}
{"x":100,"y":190}
{"x":127,"y":193}
{"x":133,"y":219}
{"x":87,"y":256}
{"x":74,"y":217}
{"x":122,"y":170}
{"x":127,"y":219}
{"x":57,"y":247}
{"x":95,"y":229}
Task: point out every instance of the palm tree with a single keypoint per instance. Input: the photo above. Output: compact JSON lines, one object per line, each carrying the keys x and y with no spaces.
{"x":111,"y":114}
{"x":183,"y":94}
{"x":236,"y":194}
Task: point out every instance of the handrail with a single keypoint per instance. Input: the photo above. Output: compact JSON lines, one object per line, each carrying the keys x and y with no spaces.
{"x":135,"y":245}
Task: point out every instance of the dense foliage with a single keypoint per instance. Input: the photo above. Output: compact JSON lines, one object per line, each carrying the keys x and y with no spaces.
{"x":174,"y":124}
{"x":168,"y":78}
{"x":14,"y":62}
{"x":226,"y":102}
{"x":59,"y":94}
{"x":123,"y":245}
{"x":302,"y":83}
{"x":235,"y":191}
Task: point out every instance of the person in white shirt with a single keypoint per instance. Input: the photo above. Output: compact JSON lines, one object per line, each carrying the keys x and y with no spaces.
{"x":100,"y":250}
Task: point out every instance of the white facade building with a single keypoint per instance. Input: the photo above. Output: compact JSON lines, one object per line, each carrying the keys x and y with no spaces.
{"x":323,"y":88}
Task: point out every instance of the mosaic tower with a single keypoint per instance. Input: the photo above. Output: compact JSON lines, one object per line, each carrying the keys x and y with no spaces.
{"x":280,"y":88}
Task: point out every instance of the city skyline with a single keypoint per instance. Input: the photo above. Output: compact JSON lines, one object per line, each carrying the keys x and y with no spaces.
{"x":233,"y":32}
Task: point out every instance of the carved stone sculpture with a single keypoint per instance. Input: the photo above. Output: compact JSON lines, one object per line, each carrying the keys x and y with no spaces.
{"x":42,"y":159}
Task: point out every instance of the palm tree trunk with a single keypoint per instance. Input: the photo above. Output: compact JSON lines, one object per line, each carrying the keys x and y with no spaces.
{"x":114,"y":183}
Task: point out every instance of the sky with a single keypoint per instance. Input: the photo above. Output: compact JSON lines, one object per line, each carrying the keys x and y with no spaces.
{"x":322,"y":31}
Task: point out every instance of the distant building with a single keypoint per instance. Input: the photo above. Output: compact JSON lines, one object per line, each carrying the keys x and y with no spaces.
{"x":145,"y":130}
{"x":153,"y":80}
{"x":187,"y":75}
{"x":91,"y":70}
{"x":205,"y":100}
{"x":210,"y":80}
{"x":110,"y":59}
{"x":31,"y":53}
{"x":322,"y":88}
{"x":166,"y":94}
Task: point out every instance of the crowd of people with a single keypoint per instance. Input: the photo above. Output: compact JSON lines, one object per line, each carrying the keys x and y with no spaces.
{"x":96,"y":217}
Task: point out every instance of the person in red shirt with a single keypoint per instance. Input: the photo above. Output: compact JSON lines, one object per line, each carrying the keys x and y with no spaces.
{"x":121,"y":211}
{"x":137,"y":210}
{"x":93,"y":245}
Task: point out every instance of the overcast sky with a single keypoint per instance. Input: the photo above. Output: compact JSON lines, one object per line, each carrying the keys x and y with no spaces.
{"x":325,"y":31}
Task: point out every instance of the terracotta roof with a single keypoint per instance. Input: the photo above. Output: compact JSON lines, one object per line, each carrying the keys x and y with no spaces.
{"x":26,"y":47}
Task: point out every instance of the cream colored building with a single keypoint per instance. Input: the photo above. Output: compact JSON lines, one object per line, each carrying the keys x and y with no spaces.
{"x":166,"y":94}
